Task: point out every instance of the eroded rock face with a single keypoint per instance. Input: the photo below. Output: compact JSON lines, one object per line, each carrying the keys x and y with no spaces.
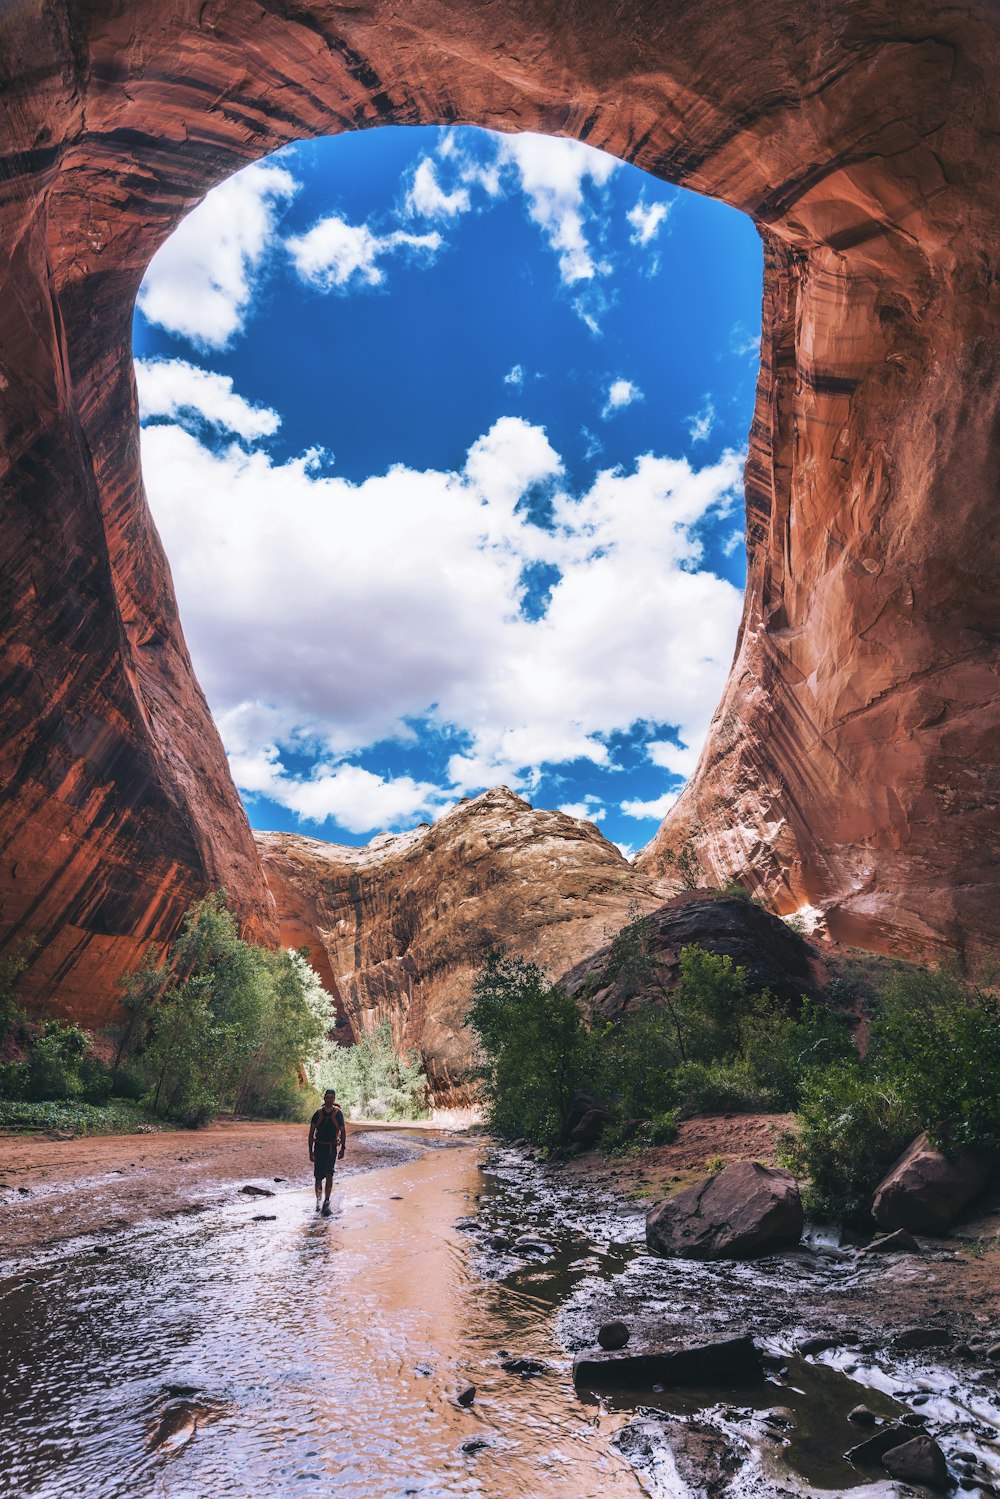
{"x":746,"y":1210}
{"x":853,"y":764}
{"x":399,"y":927}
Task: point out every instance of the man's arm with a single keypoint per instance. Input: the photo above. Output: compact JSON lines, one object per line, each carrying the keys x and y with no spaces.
{"x":312,"y":1138}
{"x":342,"y":1132}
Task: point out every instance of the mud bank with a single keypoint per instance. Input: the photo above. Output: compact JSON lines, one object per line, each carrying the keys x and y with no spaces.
{"x":53,"y":1190}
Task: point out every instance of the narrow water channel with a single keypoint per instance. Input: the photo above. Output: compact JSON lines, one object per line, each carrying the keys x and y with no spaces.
{"x":260,"y":1349}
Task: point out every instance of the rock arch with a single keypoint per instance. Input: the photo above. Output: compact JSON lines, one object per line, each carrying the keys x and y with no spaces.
{"x":852,"y":764}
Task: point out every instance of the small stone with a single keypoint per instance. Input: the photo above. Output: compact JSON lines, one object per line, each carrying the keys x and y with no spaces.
{"x":817,"y":1345}
{"x":474,"y":1444}
{"x":528,"y":1368}
{"x":918,"y":1461}
{"x":249,"y":1191}
{"x":264,"y":1218}
{"x":613,"y":1335}
{"x":993,"y":1353}
{"x":467,"y":1396}
{"x":863,"y":1415}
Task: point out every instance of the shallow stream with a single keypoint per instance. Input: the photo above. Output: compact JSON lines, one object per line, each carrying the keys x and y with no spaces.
{"x":258,"y":1348}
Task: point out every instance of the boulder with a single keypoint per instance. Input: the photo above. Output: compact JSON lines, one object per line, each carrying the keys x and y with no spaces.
{"x":926,"y":1190}
{"x":919,"y":1460}
{"x":922,"y":1337}
{"x":721,"y":1360}
{"x":900,"y":1242}
{"x":746,"y":1210}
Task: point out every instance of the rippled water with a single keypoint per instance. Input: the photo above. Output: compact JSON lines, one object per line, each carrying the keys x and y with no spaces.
{"x":297,"y":1356}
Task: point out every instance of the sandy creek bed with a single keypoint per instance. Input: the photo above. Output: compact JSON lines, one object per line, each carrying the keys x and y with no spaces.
{"x":241,"y":1346}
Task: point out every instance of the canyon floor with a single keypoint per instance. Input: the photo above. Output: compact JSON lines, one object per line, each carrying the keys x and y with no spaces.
{"x":190,"y":1323}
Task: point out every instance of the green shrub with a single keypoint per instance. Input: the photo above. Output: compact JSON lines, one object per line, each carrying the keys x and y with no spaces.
{"x":54,"y":1062}
{"x":81,"y":1118}
{"x":851,"y":1126}
{"x":372,"y":1080}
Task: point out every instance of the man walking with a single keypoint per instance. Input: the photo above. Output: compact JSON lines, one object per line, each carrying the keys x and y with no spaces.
{"x":326,"y":1131}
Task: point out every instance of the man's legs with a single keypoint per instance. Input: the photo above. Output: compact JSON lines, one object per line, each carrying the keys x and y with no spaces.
{"x":329,"y":1189}
{"x":319,"y":1193}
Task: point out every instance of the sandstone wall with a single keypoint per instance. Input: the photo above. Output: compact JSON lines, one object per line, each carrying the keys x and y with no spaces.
{"x":853,"y":762}
{"x":400,"y":925}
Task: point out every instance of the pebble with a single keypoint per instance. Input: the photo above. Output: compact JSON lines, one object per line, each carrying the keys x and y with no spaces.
{"x":467,"y":1396}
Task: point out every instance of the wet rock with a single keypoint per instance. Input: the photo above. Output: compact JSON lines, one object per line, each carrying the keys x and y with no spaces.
{"x":723,"y":1359}
{"x":874,"y":1448}
{"x":919,"y":1460}
{"x":527,"y":1244}
{"x":921,"y":1337}
{"x":863,"y":1415}
{"x":264,"y":1218}
{"x":586,"y":1133}
{"x":250,"y":1191}
{"x":817,"y":1344}
{"x":926,"y":1190}
{"x":467,"y":1396}
{"x":900,"y":1242}
{"x":474,"y":1444}
{"x":613,"y":1335}
{"x":746,"y":1210}
{"x":528,"y":1368}
{"x":993,"y":1353}
{"x":913,"y":1418}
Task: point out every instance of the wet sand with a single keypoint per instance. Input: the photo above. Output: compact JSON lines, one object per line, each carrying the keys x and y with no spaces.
{"x":52,"y":1190}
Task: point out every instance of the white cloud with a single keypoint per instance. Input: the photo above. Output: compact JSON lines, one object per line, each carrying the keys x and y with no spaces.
{"x":589,"y":810}
{"x":742,"y":342}
{"x":172,"y":387}
{"x":627,"y":850}
{"x":333,"y":252}
{"x":324,"y":616}
{"x":552,"y":173}
{"x":515,"y":376}
{"x":734,"y":541}
{"x":355,"y":798}
{"x":429,"y":199}
{"x":702,"y":422}
{"x":647,"y":219}
{"x":201,"y":281}
{"x":679,"y":759}
{"x":656,"y":809}
{"x":621,"y":393}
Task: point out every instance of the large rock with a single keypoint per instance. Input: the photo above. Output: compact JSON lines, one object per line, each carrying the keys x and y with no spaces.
{"x":398,"y":928}
{"x":719,"y":1360}
{"x":926,"y":1190}
{"x":746,"y":1210}
{"x":774,"y":956}
{"x":853,"y":764}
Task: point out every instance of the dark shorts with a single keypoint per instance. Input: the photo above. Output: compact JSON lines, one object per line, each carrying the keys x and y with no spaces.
{"x":325,"y":1159}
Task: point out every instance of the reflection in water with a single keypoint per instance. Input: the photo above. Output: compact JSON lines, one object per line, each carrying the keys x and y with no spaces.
{"x":295,"y":1357}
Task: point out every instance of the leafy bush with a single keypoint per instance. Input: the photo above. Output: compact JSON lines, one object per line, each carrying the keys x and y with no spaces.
{"x":851,"y":1126}
{"x":82,"y":1118}
{"x":224,"y":1024}
{"x":372,"y":1081}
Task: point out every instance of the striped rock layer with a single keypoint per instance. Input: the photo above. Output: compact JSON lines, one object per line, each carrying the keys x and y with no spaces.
{"x":852,"y":766}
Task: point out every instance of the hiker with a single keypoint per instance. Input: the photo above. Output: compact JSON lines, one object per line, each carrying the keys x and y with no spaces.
{"x":326,"y":1131}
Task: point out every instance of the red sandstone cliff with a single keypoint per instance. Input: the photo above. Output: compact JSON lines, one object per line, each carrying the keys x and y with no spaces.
{"x":399,"y":926}
{"x":853,"y":763}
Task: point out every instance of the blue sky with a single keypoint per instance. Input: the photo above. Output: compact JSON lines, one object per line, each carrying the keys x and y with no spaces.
{"x":444,"y":432}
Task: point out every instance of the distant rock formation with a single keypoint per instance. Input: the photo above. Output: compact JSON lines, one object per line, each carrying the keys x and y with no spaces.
{"x":398,"y":928}
{"x":853,"y":765}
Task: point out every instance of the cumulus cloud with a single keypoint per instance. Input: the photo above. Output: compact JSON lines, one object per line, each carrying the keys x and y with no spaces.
{"x":334,"y":253}
{"x":621,"y":393}
{"x":655,"y":810}
{"x":701,"y":424}
{"x":679,"y":759}
{"x":174,"y":388}
{"x":552,"y":173}
{"x":325,"y":616}
{"x":201,"y":281}
{"x":647,"y":219}
{"x":591,"y":809}
{"x":429,"y":199}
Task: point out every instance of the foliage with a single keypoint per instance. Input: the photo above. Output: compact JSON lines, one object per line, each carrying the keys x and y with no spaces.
{"x":224,"y":1023}
{"x":12,"y":965}
{"x":684,"y":861}
{"x":933,"y":1064}
{"x":851,"y":1125}
{"x":114,"y":1118}
{"x":372,"y":1081}
{"x":535,"y":1047}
